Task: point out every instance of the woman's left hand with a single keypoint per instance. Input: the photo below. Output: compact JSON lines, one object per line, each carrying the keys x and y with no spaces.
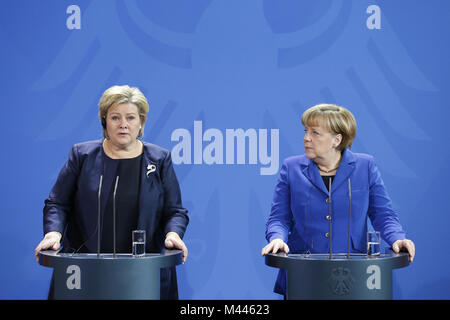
{"x":173,"y":241}
{"x":407,"y":244}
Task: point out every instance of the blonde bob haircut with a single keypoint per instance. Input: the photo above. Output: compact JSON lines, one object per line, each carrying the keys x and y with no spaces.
{"x":123,"y":94}
{"x":338,"y":120}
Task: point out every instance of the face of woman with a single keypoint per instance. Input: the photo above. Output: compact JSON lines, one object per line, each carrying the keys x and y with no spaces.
{"x":319,"y":143}
{"x":123,"y":124}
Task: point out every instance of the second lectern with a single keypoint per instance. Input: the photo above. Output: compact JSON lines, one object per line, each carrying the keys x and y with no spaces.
{"x":319,"y":276}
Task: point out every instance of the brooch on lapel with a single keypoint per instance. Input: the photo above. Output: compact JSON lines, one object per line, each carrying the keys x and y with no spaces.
{"x":150,"y":168}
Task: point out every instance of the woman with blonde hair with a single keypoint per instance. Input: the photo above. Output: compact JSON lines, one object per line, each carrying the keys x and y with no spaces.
{"x":148,"y":195}
{"x":303,"y":218}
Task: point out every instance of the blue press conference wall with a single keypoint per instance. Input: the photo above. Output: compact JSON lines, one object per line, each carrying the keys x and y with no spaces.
{"x":210,"y":68}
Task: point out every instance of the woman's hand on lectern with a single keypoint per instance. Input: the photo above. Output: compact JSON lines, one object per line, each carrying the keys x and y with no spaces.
{"x":274,"y":246}
{"x":173,"y":241}
{"x":407,"y":245}
{"x":51,"y":241}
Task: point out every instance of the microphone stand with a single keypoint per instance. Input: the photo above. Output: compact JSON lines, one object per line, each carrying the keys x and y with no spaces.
{"x":329,"y":220}
{"x":114,"y":216}
{"x":98,"y":216}
{"x":349,"y":216}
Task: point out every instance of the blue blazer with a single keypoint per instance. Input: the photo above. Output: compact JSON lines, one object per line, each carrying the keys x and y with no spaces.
{"x":72,"y":205}
{"x":300,"y":208}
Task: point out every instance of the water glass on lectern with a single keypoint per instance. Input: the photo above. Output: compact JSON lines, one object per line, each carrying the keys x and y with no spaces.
{"x":373,"y":243}
{"x":138,"y":244}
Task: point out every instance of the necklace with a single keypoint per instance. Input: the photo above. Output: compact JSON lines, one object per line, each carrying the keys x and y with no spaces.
{"x":121,"y":153}
{"x":327,"y":171}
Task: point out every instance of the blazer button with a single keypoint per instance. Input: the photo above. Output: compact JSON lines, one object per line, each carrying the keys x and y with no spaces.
{"x":327,"y":235}
{"x":327,"y":200}
{"x":328,"y":218}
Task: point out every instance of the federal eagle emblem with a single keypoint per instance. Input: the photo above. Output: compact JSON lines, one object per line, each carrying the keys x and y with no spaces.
{"x":341,"y":281}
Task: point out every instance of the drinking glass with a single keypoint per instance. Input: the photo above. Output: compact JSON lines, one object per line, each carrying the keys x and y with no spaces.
{"x":138,"y":244}
{"x":373,"y":243}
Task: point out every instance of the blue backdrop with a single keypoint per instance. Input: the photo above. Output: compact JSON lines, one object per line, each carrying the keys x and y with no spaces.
{"x":213,"y":70}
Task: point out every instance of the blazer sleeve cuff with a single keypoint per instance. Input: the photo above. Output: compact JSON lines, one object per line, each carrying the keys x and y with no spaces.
{"x":273,"y":236}
{"x":399,"y":236}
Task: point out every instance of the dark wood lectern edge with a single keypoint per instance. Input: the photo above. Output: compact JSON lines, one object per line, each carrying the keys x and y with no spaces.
{"x":288,"y":261}
{"x":170,"y":258}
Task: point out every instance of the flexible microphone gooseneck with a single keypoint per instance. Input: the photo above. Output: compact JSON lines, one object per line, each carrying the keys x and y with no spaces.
{"x":349,"y":216}
{"x":114,"y":216}
{"x":329,"y":219}
{"x":98,"y":222}
{"x":98,"y":216}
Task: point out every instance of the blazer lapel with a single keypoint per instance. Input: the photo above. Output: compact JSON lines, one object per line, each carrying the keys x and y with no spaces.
{"x":149,"y":172}
{"x":312,"y":173}
{"x":346,"y":168}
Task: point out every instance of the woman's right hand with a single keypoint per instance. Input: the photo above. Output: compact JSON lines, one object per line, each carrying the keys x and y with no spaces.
{"x":51,"y":241}
{"x":274,"y":246}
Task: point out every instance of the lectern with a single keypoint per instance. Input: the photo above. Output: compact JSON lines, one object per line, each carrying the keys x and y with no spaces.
{"x":88,"y":276}
{"x":319,"y":276}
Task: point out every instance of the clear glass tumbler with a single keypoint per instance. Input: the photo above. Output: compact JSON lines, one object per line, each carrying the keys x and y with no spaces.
{"x":373,"y":243}
{"x":138,"y":243}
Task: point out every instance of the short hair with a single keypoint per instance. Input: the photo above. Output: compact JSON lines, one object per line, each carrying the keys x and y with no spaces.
{"x":123,"y":94}
{"x":337,"y":119}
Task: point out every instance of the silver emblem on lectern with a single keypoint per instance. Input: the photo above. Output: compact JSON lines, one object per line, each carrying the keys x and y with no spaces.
{"x":341,"y":281}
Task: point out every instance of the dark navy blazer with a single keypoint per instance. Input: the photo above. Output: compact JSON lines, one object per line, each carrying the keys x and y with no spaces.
{"x":72,"y":205}
{"x":300,"y":208}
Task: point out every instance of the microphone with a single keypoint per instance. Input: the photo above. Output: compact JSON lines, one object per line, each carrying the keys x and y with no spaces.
{"x":349,"y":216}
{"x":329,"y":219}
{"x":114,"y":216}
{"x":98,"y":222}
{"x":98,"y":216}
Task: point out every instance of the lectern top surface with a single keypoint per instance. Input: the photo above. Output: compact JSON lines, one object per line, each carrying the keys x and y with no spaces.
{"x":52,"y":253}
{"x":165,"y":259}
{"x":106,"y":255}
{"x":288,"y":261}
{"x":337,"y":256}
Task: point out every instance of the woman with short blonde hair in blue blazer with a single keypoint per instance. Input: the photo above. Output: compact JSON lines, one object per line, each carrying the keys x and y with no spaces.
{"x":300,"y":216}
